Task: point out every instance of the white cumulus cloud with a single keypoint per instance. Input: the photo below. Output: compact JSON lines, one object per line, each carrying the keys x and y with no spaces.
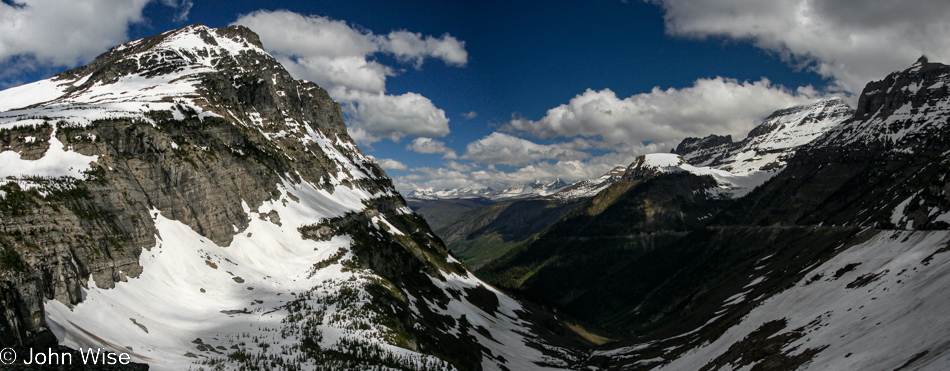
{"x":64,"y":32}
{"x":718,"y":105}
{"x":339,"y":57}
{"x":343,"y":77}
{"x":850,"y":41}
{"x":414,"y":47}
{"x":390,"y":164}
{"x":37,"y":34}
{"x":460,"y":166}
{"x":501,"y":148}
{"x":431,"y":146}
{"x":396,"y":116}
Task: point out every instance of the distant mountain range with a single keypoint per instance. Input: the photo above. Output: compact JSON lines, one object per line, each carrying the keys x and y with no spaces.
{"x":533,"y":189}
{"x":738,"y":166}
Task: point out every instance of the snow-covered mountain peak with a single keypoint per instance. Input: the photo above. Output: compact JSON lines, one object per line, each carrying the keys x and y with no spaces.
{"x":784,"y":126}
{"x":740,"y":166}
{"x":770,"y":143}
{"x":180,"y":71}
{"x":590,"y":187}
{"x":195,"y":44}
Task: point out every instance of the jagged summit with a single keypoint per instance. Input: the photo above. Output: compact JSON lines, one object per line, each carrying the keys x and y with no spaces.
{"x":200,"y":43}
{"x":165,"y":52}
{"x":901,"y":87}
{"x":896,"y":113}
{"x":691,"y":145}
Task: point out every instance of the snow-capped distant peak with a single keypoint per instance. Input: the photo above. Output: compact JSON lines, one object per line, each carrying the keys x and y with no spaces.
{"x":591,"y":187}
{"x":769,"y":144}
{"x":449,"y":193}
{"x":728,"y":185}
{"x":536,"y":188}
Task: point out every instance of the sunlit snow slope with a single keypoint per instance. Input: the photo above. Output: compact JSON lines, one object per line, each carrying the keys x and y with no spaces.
{"x":879,"y":305}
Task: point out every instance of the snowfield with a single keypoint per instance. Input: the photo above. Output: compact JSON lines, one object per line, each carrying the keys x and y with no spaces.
{"x":58,"y":161}
{"x":886,"y":312}
{"x":235,"y":297}
{"x":729,"y":184}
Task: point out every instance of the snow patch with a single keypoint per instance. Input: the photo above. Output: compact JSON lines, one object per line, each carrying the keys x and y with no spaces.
{"x":58,"y":161}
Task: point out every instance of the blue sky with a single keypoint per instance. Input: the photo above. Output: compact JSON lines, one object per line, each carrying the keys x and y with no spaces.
{"x":498,"y":93}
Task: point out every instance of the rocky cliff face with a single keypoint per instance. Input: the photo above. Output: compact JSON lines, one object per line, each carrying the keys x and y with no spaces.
{"x":704,"y":150}
{"x":183,"y":195}
{"x":188,"y":161}
{"x":899,"y":112}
